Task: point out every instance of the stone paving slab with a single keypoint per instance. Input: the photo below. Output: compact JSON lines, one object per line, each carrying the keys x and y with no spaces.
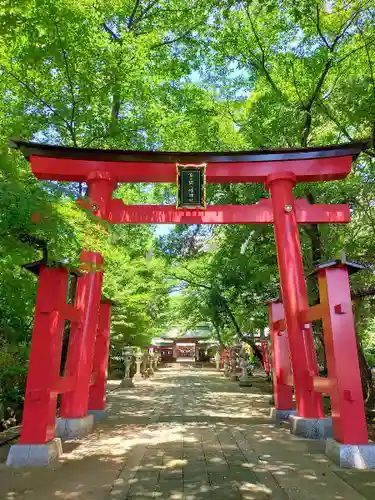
{"x":189,"y":434}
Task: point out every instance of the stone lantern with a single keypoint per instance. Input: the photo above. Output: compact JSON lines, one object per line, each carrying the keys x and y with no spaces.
{"x":138,"y":362}
{"x":217,"y":360}
{"x":128,"y":359}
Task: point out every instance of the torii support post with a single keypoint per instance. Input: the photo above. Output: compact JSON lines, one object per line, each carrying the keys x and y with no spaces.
{"x":265,"y":356}
{"x":38,"y":446}
{"x":74,"y":420}
{"x":350,"y":447}
{"x":97,"y":394}
{"x":281,"y":369}
{"x":294,"y":294}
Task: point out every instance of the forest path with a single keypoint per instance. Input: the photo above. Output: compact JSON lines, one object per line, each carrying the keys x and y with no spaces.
{"x":189,"y":433}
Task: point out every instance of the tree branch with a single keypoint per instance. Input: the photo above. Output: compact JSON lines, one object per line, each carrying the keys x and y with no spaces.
{"x":364,"y":292}
{"x":35,"y":94}
{"x":113,"y":35}
{"x":132,"y":15}
{"x":308,"y":118}
{"x":338,"y":61}
{"x":344,"y":29}
{"x":333,"y":119}
{"x":295,"y":86}
{"x":319,"y":29}
{"x":177,"y":39}
{"x":190,"y":282}
{"x":147,"y":9}
{"x":71,"y":86}
{"x":262,"y":62}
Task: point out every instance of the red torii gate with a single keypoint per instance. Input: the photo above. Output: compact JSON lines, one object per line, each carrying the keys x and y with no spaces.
{"x":280,"y":170}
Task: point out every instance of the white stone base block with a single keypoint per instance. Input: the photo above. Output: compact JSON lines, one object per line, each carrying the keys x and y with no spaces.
{"x":98,"y":414}
{"x":34,"y":455}
{"x":71,"y":428}
{"x":351,"y":456}
{"x":278,"y":415}
{"x":126,"y":382}
{"x":311,"y":428}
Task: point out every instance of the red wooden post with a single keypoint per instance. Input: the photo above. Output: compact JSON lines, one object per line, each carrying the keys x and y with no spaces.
{"x":97,"y":395}
{"x":39,"y":413}
{"x":265,"y":357}
{"x":89,"y":290}
{"x":348,"y":414}
{"x":294,"y":293}
{"x":82,"y":338}
{"x":280,"y":359}
{"x":101,"y":185}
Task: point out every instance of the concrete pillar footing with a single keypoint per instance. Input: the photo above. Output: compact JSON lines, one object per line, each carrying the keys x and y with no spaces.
{"x":72,"y":428}
{"x":34,"y":455}
{"x":281,"y":415}
{"x":98,"y":414}
{"x":311,"y":428}
{"x":351,"y":456}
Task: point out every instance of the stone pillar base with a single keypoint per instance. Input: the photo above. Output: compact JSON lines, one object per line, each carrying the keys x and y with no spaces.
{"x":71,"y":428}
{"x":351,"y":456}
{"x":311,"y":428}
{"x":126,"y":382}
{"x":98,"y":414}
{"x":34,"y":455}
{"x":281,"y":415}
{"x":137,"y":378}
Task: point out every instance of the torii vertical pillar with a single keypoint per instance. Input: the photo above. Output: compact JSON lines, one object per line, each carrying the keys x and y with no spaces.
{"x":294,"y":294}
{"x":97,"y":395}
{"x":38,"y":445}
{"x":349,"y":446}
{"x":281,"y":369}
{"x":75,"y":420}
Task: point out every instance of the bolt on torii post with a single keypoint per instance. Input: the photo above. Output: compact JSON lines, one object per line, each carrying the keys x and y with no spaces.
{"x":279,"y":170}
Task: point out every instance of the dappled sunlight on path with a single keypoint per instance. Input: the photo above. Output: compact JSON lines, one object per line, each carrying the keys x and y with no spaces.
{"x":191,"y":434}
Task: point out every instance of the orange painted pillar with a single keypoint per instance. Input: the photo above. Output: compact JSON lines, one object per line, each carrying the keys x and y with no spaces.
{"x":294,"y":294}
{"x":97,"y":395}
{"x":39,"y":413}
{"x":88,"y":295}
{"x":281,"y":368}
{"x":348,"y":410}
{"x":82,"y":337}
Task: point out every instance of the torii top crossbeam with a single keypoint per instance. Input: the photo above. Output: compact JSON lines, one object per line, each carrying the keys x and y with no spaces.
{"x":75,"y":164}
{"x":103,"y":169}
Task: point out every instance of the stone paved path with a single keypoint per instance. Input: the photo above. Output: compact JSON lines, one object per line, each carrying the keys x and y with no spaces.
{"x":189,"y":434}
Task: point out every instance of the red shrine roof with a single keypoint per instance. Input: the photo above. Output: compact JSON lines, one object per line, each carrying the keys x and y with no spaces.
{"x":29,"y":149}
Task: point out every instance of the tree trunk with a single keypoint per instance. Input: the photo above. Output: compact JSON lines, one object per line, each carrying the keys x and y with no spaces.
{"x":366,"y":378}
{"x":257,"y":351}
{"x":364,"y":368}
